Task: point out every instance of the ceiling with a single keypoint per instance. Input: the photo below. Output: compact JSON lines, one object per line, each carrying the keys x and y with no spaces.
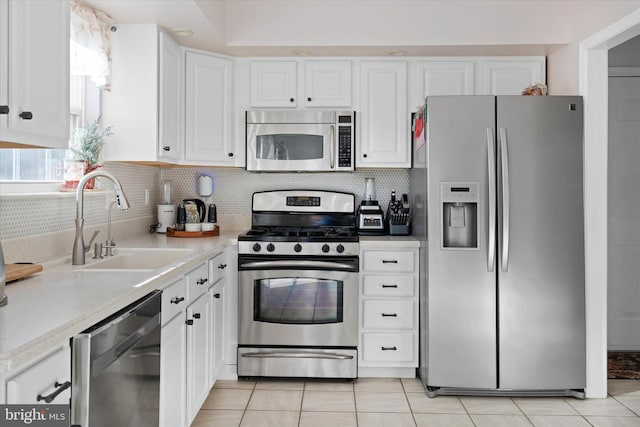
{"x":215,"y":22}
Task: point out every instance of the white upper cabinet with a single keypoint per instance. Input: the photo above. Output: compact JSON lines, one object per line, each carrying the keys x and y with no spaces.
{"x":441,"y":77}
{"x":34,"y":73}
{"x":208,"y":111}
{"x":509,"y":75}
{"x":144,"y":105}
{"x":273,"y":83}
{"x":170,"y":106}
{"x":383,"y":141}
{"x":300,"y":84}
{"x":327,"y":84}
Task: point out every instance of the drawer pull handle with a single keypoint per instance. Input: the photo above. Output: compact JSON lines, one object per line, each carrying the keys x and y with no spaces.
{"x":60,"y":387}
{"x":177,"y":300}
{"x":216,"y":295}
{"x":389,"y":286}
{"x":389,"y":261}
{"x":196,"y":315}
{"x":389,"y":314}
{"x":202,"y":281}
{"x":189,"y":322}
{"x":222,"y":266}
{"x":394,"y":348}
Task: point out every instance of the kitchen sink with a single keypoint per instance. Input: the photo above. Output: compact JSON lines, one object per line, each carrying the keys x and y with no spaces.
{"x":139,"y":259}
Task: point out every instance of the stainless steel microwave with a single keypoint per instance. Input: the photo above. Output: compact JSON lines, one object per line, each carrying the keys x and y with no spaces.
{"x":300,"y":141}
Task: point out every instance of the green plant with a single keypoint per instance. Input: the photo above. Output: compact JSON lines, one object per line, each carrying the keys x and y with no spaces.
{"x":88,"y":142}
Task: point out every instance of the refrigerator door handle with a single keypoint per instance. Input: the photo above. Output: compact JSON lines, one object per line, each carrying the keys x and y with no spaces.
{"x":491,"y":175}
{"x":504,"y":163}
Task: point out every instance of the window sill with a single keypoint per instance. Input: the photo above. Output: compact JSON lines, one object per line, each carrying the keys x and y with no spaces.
{"x":38,"y":188}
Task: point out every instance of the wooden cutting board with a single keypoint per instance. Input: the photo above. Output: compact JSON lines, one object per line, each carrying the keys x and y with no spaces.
{"x":20,"y":271}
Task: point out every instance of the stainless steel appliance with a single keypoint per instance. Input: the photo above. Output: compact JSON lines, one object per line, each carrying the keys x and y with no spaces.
{"x":3,"y":296}
{"x":497,"y":188}
{"x":300,"y":141}
{"x":298,"y":286}
{"x":115,"y":369}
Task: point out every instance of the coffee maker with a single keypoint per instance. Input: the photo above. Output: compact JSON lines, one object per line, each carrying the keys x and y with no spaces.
{"x":370,"y":218}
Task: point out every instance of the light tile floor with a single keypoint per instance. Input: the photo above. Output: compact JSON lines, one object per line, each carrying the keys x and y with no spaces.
{"x":392,"y":402}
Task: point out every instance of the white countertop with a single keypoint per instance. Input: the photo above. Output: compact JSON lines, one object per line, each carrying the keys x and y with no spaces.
{"x":50,"y":307}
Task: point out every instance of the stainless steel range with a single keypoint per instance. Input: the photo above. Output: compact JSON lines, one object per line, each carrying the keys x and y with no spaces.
{"x":298,"y":286}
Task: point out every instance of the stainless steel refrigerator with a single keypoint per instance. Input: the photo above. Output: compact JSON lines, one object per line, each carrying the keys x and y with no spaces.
{"x":497,"y":192}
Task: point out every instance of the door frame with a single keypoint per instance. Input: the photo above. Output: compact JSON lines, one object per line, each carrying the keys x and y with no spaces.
{"x":594,"y":77}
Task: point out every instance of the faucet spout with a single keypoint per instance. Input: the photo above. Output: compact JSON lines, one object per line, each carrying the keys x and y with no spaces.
{"x":79,"y":249}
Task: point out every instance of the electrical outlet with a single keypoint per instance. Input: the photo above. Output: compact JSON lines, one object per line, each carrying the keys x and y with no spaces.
{"x":146,"y":197}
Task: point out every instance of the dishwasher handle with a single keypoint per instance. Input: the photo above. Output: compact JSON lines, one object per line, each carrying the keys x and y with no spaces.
{"x":101,"y":362}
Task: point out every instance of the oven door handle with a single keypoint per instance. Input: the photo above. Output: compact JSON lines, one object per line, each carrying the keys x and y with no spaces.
{"x":293,"y":264}
{"x":297,"y":355}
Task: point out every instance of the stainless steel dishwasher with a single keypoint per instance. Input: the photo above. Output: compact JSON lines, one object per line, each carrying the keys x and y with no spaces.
{"x":116,"y":368}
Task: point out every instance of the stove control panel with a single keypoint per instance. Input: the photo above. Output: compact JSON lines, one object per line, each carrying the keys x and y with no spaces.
{"x":298,"y":248}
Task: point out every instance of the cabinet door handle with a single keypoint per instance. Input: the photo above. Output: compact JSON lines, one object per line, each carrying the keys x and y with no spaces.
{"x":389,"y":261}
{"x":309,"y":99}
{"x":60,"y":387}
{"x":230,"y":154}
{"x":389,"y":286}
{"x":26,"y":115}
{"x":177,"y":300}
{"x":4,"y":109}
{"x":222,"y":266}
{"x":394,"y":348}
{"x":196,"y":315}
{"x":189,"y":322}
{"x":202,"y":281}
{"x":291,"y":99}
{"x":166,"y":148}
{"x":389,"y":314}
{"x":364,"y":155}
{"x":216,"y":295}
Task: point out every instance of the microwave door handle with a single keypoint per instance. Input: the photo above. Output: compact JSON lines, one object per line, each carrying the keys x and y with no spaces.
{"x":332,"y":139}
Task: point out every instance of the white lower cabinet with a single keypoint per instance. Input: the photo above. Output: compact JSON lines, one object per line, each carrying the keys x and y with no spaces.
{"x":388,"y":308}
{"x":187,"y":336}
{"x":173,"y":371}
{"x":217,"y":274}
{"x":46,"y":381}
{"x":198,"y":354}
{"x":173,"y":356}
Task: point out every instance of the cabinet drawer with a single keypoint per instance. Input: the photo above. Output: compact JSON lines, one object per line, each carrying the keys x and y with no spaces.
{"x":217,"y":268}
{"x":379,"y":314}
{"x":42,"y":379}
{"x":174,"y":299}
{"x":389,"y":286}
{"x":398,"y":348}
{"x":388,"y":261}
{"x":197,"y":282}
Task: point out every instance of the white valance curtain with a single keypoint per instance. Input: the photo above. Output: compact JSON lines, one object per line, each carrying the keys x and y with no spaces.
{"x":91,"y":43}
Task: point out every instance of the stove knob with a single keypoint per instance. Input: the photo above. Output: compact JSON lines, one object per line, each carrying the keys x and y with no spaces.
{"x":297,"y":247}
{"x":325,"y":248}
{"x":271,"y":247}
{"x":256,"y":247}
{"x":340,"y":249}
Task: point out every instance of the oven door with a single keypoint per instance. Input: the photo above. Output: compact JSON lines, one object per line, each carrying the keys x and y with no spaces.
{"x":298,"y":302}
{"x":280,"y":147}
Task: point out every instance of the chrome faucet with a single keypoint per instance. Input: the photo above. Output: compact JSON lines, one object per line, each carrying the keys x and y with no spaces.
{"x":109,"y":244}
{"x":79,"y":249}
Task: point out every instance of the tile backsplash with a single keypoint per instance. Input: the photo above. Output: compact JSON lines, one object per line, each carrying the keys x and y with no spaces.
{"x":232,"y":188}
{"x":39,"y":227}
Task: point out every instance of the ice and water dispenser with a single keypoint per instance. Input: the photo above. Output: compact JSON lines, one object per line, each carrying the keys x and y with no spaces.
{"x":459,"y":215}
